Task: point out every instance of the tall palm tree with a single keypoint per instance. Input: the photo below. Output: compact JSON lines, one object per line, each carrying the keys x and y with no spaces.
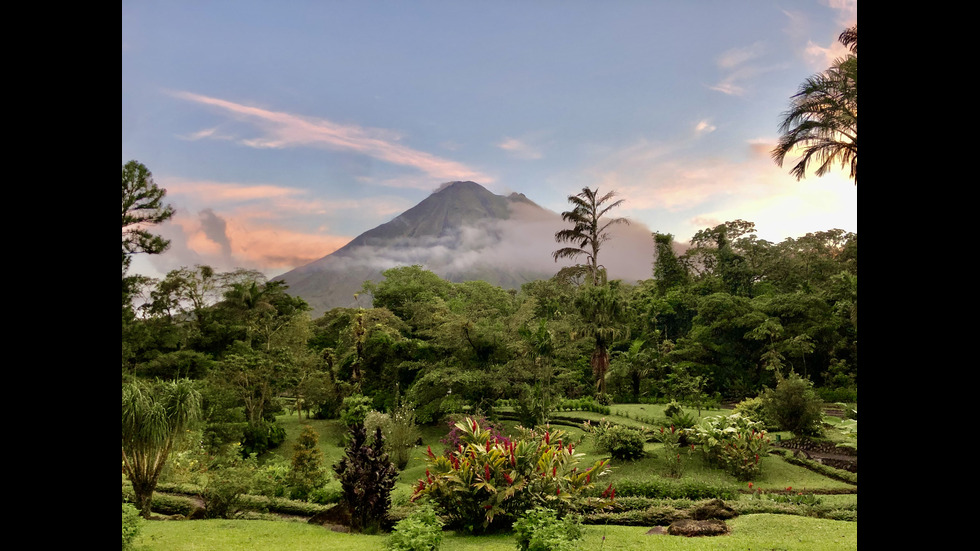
{"x":589,"y":228}
{"x":822,"y":118}
{"x":152,"y":421}
{"x":603,"y":307}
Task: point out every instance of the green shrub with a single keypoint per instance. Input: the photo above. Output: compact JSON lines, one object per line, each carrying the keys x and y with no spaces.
{"x":487,"y":482}
{"x":400,"y":432}
{"x":672,"y":409}
{"x":307,"y":471}
{"x":228,"y":478}
{"x":420,"y":531}
{"x":272,"y":479}
{"x":540,"y":529}
{"x":794,"y":406}
{"x":837,"y":394}
{"x":354,"y":410}
{"x":661,"y":488}
{"x":132,"y":524}
{"x":259,"y":438}
{"x":755,"y":409}
{"x":622,"y":443}
{"x":325,"y":495}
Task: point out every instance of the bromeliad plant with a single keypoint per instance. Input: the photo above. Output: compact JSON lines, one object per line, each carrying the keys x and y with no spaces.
{"x":487,"y":482}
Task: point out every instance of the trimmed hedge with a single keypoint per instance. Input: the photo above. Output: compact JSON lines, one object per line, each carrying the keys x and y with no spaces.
{"x":825,"y":470}
{"x":670,"y":489}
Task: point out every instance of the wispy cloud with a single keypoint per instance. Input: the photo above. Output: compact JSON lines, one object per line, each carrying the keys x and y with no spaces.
{"x":519,"y":148}
{"x":704,"y":127}
{"x":739,"y":65}
{"x":279,"y":129}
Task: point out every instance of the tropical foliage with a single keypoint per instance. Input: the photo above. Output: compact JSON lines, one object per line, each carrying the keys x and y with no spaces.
{"x":822,"y":118}
{"x":488,"y":482}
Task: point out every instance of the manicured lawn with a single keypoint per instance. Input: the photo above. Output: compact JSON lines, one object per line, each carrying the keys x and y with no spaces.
{"x":753,"y":531}
{"x":748,"y":532}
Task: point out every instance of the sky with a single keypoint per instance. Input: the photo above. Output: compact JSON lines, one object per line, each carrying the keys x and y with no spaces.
{"x":282,"y":130}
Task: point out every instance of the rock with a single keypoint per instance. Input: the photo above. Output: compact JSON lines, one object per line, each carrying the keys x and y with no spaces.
{"x":694,"y":528}
{"x":715,"y":508}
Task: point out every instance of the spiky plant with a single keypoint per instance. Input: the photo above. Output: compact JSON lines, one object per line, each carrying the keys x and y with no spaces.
{"x":153,"y":418}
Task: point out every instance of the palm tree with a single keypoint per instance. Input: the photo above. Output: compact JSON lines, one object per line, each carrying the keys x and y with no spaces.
{"x":589,"y":230}
{"x":603,"y":308}
{"x":152,"y":421}
{"x":822,"y":118}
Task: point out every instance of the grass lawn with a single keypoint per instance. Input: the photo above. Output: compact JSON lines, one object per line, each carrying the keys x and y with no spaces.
{"x":748,"y":532}
{"x":753,"y":531}
{"x":776,"y":473}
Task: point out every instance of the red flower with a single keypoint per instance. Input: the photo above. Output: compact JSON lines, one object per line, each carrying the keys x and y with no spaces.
{"x":558,"y":492}
{"x":750,"y":485}
{"x":789,"y":488}
{"x":547,"y":437}
{"x":508,"y":478}
{"x":429,"y":448}
{"x":486,"y":469}
{"x":554,"y":471}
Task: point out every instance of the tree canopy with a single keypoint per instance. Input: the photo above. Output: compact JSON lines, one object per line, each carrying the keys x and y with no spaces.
{"x":142,"y":205}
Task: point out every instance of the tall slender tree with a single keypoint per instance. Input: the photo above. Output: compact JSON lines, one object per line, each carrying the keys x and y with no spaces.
{"x":142,"y":205}
{"x":588,"y":229}
{"x":822,"y":118}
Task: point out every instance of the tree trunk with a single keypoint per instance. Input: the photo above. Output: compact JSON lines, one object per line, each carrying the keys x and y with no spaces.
{"x":144,"y":497}
{"x":600,"y":364}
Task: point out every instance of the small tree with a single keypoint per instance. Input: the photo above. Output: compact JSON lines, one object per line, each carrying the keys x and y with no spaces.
{"x":307,"y":473}
{"x":153,"y":418}
{"x":366,"y":477}
{"x":794,"y":406}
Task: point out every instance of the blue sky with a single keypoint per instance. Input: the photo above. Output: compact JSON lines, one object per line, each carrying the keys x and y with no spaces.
{"x":282,"y":130}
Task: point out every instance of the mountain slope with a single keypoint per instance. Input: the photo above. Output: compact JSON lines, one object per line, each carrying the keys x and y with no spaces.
{"x":461,"y":232}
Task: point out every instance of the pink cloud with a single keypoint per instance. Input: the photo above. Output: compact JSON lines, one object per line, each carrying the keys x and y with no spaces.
{"x":288,"y":130}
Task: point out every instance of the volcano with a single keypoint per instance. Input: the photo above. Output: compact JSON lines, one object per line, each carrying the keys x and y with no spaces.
{"x":462,"y":232}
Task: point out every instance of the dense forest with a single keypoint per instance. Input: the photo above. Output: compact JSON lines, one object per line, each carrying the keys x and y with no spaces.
{"x":720,"y":322}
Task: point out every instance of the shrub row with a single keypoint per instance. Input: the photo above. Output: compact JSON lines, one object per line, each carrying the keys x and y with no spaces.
{"x":670,"y":489}
{"x":820,"y":468}
{"x":163,"y":504}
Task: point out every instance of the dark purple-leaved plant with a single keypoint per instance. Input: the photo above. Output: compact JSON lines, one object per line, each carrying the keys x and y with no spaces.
{"x":366,"y":477}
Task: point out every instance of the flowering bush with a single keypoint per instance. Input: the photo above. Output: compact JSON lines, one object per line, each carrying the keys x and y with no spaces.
{"x":487,"y":481}
{"x":454,"y":438}
{"x":734,"y":443}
